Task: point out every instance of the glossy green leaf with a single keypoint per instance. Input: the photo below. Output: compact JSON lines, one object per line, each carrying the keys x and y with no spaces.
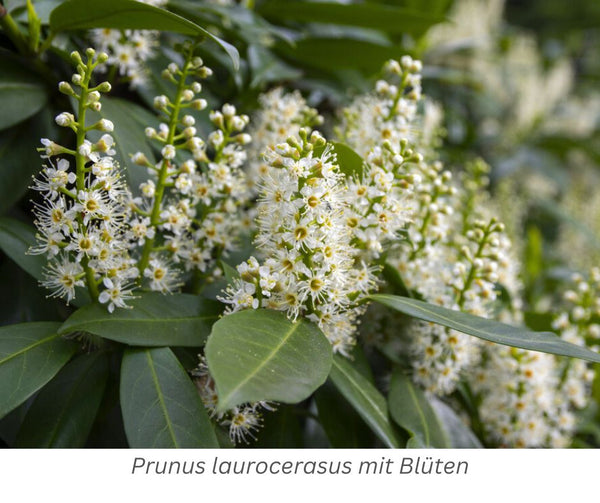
{"x":153,"y":320}
{"x":258,"y":355}
{"x":19,"y":159}
{"x":489,"y":330}
{"x":160,"y":404}
{"x":336,"y":53}
{"x":459,"y":434}
{"x":351,"y":164}
{"x":410,"y":408}
{"x":266,"y":67}
{"x":63,"y":413}
{"x":281,"y":429}
{"x":127,"y":14}
{"x":387,"y":18}
{"x":365,"y":399}
{"x":22,"y":298}
{"x":30,"y":355}
{"x":351,"y":432}
{"x":15,"y":240}
{"x":22,"y":93}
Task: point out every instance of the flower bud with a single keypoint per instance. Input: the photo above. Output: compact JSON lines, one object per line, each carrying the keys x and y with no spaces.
{"x":139,"y":158}
{"x":104,"y":87}
{"x":199,"y":104}
{"x":65,"y":119}
{"x":168,"y":152}
{"x":106,"y":125}
{"x":65,"y":88}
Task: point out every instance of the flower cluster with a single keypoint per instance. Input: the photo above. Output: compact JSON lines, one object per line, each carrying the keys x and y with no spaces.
{"x":128,"y":50}
{"x":310,"y":268}
{"x":83,"y":220}
{"x":279,"y":116}
{"x":380,"y":197}
{"x":187,"y":216}
{"x":242,"y":421}
{"x":386,"y":114}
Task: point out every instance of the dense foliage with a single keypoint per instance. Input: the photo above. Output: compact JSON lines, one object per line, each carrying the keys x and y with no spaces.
{"x":298,"y":224}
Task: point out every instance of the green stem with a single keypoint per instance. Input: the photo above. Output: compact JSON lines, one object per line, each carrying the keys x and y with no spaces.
{"x":12,"y":31}
{"x":473,"y":269}
{"x":162,"y":175}
{"x":80,"y":171}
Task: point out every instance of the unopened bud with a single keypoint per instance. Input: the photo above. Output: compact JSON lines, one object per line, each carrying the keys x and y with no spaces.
{"x":199,"y":104}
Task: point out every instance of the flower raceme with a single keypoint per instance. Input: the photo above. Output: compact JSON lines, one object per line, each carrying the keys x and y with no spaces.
{"x":97,"y":235}
{"x":309,"y":267}
{"x":82,"y":221}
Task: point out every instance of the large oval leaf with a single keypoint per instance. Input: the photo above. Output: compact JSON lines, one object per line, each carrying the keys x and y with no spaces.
{"x":365,"y":399}
{"x":160,"y":404}
{"x":30,"y":355}
{"x":127,"y":14}
{"x":489,"y":330}
{"x":153,"y":320}
{"x":411,"y":409}
{"x":22,"y":93}
{"x":261,"y":355}
{"x":63,"y":413}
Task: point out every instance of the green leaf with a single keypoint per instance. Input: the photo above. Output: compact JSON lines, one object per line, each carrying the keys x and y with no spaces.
{"x":160,"y":404}
{"x":229,"y":272}
{"x":281,"y":429}
{"x":19,"y":159}
{"x":130,"y":121}
{"x":30,"y":355}
{"x":390,"y":19}
{"x":258,"y":355}
{"x":410,"y":408}
{"x":63,"y":413}
{"x":266,"y":67}
{"x":15,"y":240}
{"x":153,"y":320}
{"x":351,"y":164}
{"x":128,"y":15}
{"x":365,"y":399}
{"x":489,"y":330}
{"x":459,"y":434}
{"x":351,"y":432}
{"x":335,"y":53}
{"x":22,"y":298}
{"x":22,"y":93}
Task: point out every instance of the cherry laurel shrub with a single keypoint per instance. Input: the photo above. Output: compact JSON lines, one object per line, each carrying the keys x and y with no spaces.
{"x":239,"y":278}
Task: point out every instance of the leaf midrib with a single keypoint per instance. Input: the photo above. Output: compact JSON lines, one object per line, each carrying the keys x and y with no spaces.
{"x":543,"y":346}
{"x":252,"y":374}
{"x":29,"y":348}
{"x":161,"y":400}
{"x":382,"y":416}
{"x":421,"y":414}
{"x":78,"y":326}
